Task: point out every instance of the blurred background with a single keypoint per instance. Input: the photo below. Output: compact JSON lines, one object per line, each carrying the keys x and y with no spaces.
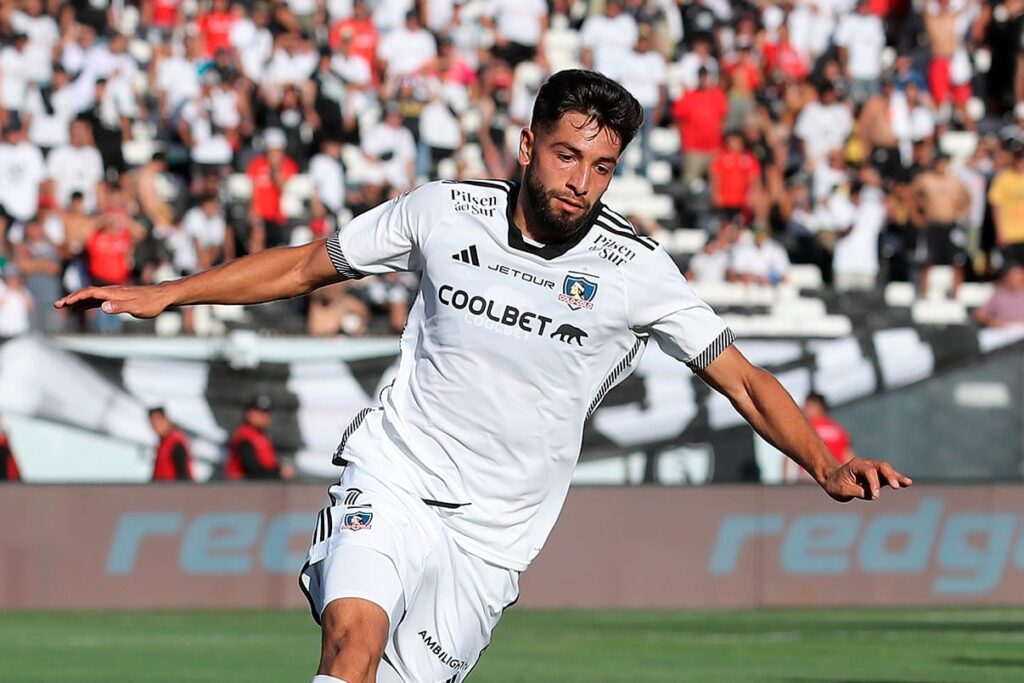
{"x":842,"y":180}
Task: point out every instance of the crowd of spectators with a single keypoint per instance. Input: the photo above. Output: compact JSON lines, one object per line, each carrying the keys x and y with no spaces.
{"x":147,"y":139}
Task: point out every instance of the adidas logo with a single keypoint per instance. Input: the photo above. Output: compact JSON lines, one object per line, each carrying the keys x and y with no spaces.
{"x":468,"y":256}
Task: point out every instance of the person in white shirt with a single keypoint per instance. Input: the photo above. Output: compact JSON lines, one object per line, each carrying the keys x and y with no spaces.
{"x":252,"y":41}
{"x":642,"y":71}
{"x":22,"y":171}
{"x":208,"y":119}
{"x":50,"y":109}
{"x":392,"y":149}
{"x":408,"y":50}
{"x":607,"y":38}
{"x":711,"y":265}
{"x":760,"y":261}
{"x":77,"y":167}
{"x":43,"y":36}
{"x":690,"y":64}
{"x":519,"y":28}
{"x":15,"y":72}
{"x":810,"y":29}
{"x":328,"y":175}
{"x":176,"y":74}
{"x":535,"y":299}
{"x":861,"y":38}
{"x":855,"y":260}
{"x":199,"y":242}
{"x":15,"y":304}
{"x":823,"y":125}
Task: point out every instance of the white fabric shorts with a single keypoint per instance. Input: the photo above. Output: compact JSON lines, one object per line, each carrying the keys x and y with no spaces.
{"x":380,"y":543}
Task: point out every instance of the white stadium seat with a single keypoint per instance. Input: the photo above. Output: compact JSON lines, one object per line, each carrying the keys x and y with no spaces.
{"x":900,"y":294}
{"x":805,"y":276}
{"x":804,"y":308}
{"x":239,"y":187}
{"x":938,"y":312}
{"x":974,"y":294}
{"x":687,"y":241}
{"x":659,"y":172}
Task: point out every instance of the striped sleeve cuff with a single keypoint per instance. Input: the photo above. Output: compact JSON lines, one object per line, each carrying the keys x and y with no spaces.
{"x":713,"y":351}
{"x":338,"y":257}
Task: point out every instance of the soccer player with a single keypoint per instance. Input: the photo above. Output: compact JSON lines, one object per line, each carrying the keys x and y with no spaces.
{"x":535,"y":300}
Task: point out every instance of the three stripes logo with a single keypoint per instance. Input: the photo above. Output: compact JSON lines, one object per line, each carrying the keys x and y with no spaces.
{"x":468,"y":256}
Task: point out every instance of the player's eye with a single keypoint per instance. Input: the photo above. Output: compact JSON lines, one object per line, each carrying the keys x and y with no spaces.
{"x":604,"y":170}
{"x":565,"y":157}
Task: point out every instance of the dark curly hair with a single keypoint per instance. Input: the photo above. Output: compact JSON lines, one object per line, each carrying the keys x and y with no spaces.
{"x":599,"y":98}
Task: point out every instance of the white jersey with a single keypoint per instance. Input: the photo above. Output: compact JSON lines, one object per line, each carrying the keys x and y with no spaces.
{"x":509,"y":347}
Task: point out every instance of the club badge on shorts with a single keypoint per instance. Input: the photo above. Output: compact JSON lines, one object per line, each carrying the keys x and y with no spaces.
{"x":354,"y":521}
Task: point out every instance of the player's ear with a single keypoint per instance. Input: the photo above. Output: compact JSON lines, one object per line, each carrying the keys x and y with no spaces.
{"x":526,"y":141}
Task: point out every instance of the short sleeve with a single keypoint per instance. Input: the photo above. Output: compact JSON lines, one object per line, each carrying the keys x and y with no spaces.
{"x":663,"y":305}
{"x":389,"y":238}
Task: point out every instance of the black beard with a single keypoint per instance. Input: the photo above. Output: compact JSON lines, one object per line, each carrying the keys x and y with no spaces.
{"x":554,"y":226}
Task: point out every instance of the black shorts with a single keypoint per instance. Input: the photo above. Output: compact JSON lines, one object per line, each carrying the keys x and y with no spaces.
{"x":889,"y":164}
{"x":946,"y":243}
{"x":513,"y":53}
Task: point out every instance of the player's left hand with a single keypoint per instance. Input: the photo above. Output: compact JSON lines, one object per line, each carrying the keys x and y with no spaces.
{"x":864,"y":479}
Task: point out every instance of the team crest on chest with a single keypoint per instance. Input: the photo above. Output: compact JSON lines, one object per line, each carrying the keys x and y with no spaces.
{"x":578,"y":292}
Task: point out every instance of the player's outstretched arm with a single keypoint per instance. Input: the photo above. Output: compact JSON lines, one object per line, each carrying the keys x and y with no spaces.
{"x":278,"y":273}
{"x":770,"y":410}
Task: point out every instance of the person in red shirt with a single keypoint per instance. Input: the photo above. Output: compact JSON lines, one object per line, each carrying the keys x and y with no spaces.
{"x":173,"y":451}
{"x":782,"y":58}
{"x":699,"y":115}
{"x":8,"y":466}
{"x":735,"y":176}
{"x":836,"y":438}
{"x":269,"y":172}
{"x":215,"y":27}
{"x":362,"y":33}
{"x":251,"y":453}
{"x":108,"y":251}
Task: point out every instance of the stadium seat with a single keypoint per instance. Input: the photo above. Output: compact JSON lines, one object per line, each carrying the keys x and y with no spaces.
{"x":562,"y":48}
{"x":664,"y":142}
{"x":805,"y":276}
{"x":938,"y":312}
{"x":719,"y":293}
{"x":802,"y":308}
{"x":827,"y":326}
{"x":686,"y":241}
{"x":940,"y":281}
{"x":239,"y":187}
{"x":900,"y":294}
{"x":974,"y":294}
{"x":297,"y":191}
{"x":301,"y":234}
{"x":659,"y":172}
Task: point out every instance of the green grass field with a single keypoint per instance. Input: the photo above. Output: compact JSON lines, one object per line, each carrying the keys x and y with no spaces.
{"x":850,"y":645}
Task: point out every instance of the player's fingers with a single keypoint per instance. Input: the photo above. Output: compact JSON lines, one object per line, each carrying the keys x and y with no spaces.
{"x":870,"y":475}
{"x":889,"y":475}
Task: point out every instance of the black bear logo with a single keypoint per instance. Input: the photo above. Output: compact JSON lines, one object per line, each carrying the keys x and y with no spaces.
{"x":569,"y":334}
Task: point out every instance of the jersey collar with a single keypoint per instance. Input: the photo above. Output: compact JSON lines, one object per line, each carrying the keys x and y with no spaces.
{"x":548,"y":251}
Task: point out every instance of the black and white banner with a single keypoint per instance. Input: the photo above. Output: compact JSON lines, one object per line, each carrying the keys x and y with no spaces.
{"x":79,"y":391}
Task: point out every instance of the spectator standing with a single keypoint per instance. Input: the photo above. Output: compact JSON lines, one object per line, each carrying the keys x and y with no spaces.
{"x":8,"y":464}
{"x":22,"y":172}
{"x":406,"y":51}
{"x":941,"y":202}
{"x":1006,"y":307}
{"x":835,"y":436}
{"x":735,"y":177}
{"x":642,"y":71}
{"x":391,"y":147}
{"x":1006,"y":195}
{"x":77,"y":167}
{"x":861,"y":38}
{"x":607,"y":38}
{"x":328,"y":176}
{"x":173,"y":461}
{"x":949,"y":71}
{"x":361,"y":31}
{"x":855,"y":260}
{"x":823,"y":125}
{"x":39,"y":261}
{"x":269,"y":172}
{"x":699,"y":115}
{"x":760,"y":260}
{"x":15,"y":304}
{"x":519,"y":27}
{"x":251,"y":453}
{"x":50,"y":107}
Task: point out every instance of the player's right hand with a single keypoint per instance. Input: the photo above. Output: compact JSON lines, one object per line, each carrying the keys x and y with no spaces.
{"x":146,"y":301}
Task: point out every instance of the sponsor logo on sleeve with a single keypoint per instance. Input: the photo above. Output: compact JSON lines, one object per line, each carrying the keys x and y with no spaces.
{"x":467,"y":202}
{"x":448,"y":660}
